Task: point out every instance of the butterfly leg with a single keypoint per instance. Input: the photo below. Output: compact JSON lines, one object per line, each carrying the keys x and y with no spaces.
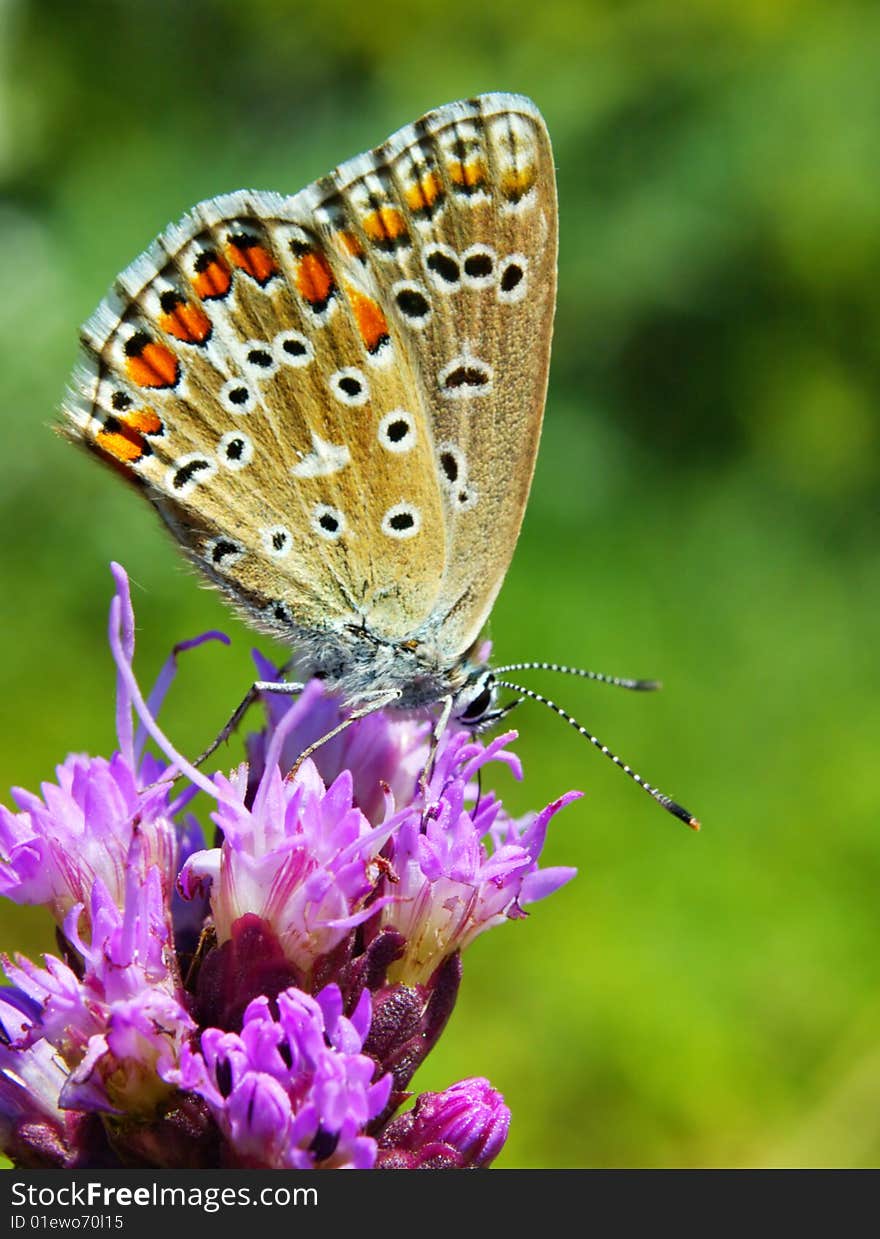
{"x":440,"y":725}
{"x":386,"y":699}
{"x":290,"y":688}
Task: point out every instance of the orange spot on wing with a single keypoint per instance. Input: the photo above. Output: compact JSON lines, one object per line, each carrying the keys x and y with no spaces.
{"x":187,"y":322}
{"x":314,"y":279}
{"x":152,"y":365}
{"x":251,"y":257}
{"x":124,"y":445}
{"x":423,"y":195}
{"x":516,"y":182}
{"x":467,"y":175}
{"x":212,"y":278}
{"x":145,"y":421}
{"x":385,"y":225}
{"x":350,"y":244}
{"x":371,"y":322}
{"x":121,"y":440}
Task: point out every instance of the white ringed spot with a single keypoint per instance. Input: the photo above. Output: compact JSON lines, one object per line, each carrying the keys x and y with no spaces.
{"x":292,"y":348}
{"x":402,"y":521}
{"x":443,"y":267}
{"x":412,"y":301}
{"x":478,"y":266}
{"x":327,"y":522}
{"x":465,"y":377}
{"x":397,"y":431}
{"x":513,"y":280}
{"x":223,"y":553}
{"x":453,"y":465}
{"x":349,"y":385}
{"x":235,"y":450}
{"x":237,"y":397}
{"x":277,"y":541}
{"x":259,"y":359}
{"x":187,"y":473}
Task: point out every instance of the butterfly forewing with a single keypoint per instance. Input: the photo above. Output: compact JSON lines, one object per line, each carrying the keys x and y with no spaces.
{"x":334,"y":399}
{"x":456,"y":216}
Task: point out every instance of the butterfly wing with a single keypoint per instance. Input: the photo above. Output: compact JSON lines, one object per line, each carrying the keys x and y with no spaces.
{"x":335,"y":429}
{"x":247,"y":378}
{"x":456,"y":217}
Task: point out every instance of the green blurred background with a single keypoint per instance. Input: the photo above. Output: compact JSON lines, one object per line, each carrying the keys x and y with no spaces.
{"x":704,"y":510}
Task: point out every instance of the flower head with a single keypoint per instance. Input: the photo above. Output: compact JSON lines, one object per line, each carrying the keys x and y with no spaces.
{"x":463,"y":1127}
{"x":291,"y":1090}
{"x":266,"y":1001}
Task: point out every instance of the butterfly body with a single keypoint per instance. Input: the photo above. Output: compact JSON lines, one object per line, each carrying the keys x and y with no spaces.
{"x":334,"y":399}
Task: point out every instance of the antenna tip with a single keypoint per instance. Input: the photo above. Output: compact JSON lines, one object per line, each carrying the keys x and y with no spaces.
{"x":679,"y":811}
{"x":648,"y":686}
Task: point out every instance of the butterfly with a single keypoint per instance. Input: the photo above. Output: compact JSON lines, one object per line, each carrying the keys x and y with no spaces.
{"x":334,"y":401}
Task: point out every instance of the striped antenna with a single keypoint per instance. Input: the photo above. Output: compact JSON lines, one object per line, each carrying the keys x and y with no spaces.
{"x":671,"y":806}
{"x":639,"y":686}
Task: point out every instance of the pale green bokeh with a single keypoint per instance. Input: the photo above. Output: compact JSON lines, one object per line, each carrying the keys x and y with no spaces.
{"x":704,"y":510}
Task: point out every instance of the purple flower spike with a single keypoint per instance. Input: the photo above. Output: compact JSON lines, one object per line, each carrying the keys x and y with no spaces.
{"x":292,"y":1091}
{"x":463,"y":1128}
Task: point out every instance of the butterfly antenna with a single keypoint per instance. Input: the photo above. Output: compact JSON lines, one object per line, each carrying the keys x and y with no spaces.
{"x":638,"y":686}
{"x":671,"y":806}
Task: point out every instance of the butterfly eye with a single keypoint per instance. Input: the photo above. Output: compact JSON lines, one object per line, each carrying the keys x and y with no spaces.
{"x":292,"y":348}
{"x":478,"y":707}
{"x":397,"y":431}
{"x":237,"y":397}
{"x":235,"y":450}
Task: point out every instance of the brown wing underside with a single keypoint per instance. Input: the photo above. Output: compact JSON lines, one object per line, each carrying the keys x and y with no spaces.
{"x":335,"y":399}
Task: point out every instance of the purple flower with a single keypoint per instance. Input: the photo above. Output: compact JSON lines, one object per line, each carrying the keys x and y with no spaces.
{"x":35,"y":1132}
{"x":383,"y":753}
{"x":119,"y":1020}
{"x":302,"y":858}
{"x":81,"y":831}
{"x":291,"y":1091}
{"x":266,"y":1001}
{"x":461,"y":865}
{"x":463,"y":1127}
